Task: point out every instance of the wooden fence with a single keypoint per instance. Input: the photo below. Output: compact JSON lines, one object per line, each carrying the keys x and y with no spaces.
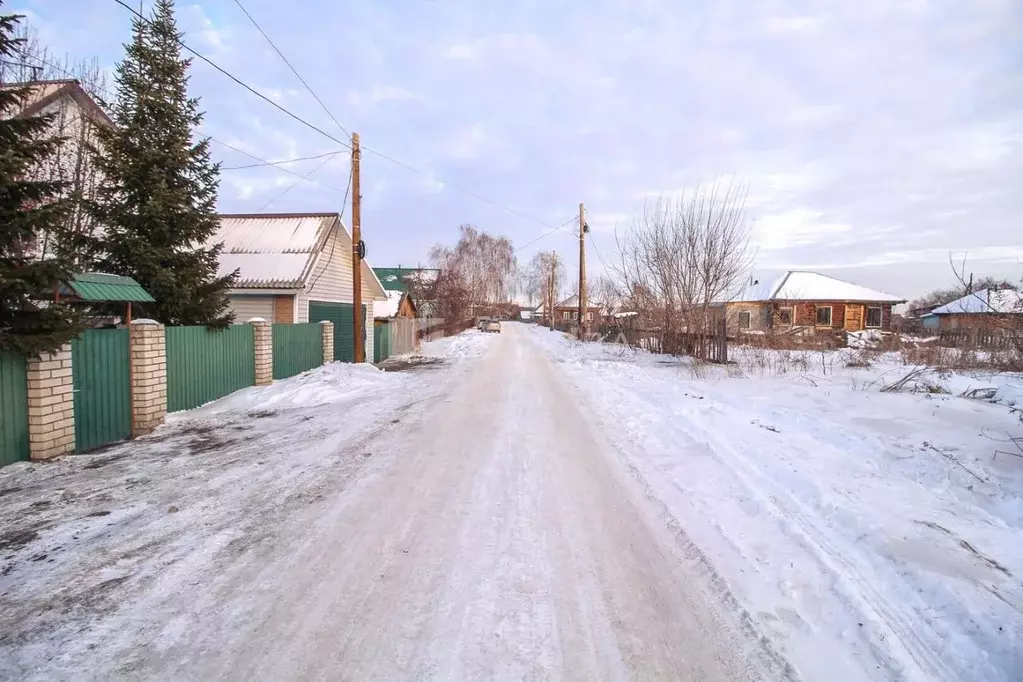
{"x":978,"y":338}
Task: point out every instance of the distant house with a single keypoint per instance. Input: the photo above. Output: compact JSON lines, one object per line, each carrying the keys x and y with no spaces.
{"x":568,"y":311}
{"x":809,"y":302}
{"x":984,"y":310}
{"x":398,"y":304}
{"x":293,"y":268}
{"x":417,"y":282}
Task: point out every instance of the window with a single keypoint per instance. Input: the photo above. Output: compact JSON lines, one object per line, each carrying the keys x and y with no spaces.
{"x":785,"y":315}
{"x":745,"y":319}
{"x":575,"y":314}
{"x":566,"y":315}
{"x":824,"y":316}
{"x":874,"y":317}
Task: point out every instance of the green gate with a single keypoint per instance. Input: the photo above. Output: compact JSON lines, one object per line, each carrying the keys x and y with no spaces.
{"x":341,"y":315}
{"x":101,"y":371}
{"x":203,"y":365}
{"x":297,"y":348}
{"x":13,"y":409}
{"x":381,"y":342}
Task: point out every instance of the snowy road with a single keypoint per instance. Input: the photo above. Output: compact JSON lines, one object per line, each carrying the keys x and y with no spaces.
{"x":503,"y":542}
{"x":482,"y":531}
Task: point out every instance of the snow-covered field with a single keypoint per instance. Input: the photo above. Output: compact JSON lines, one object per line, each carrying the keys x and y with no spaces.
{"x":872,"y":535}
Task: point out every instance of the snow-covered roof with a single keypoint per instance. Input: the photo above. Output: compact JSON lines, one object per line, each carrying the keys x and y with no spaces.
{"x":984,"y":301}
{"x":803,"y":285}
{"x":388,"y":308}
{"x":276,"y":250}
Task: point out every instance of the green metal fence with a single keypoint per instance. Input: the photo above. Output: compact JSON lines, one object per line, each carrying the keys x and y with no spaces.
{"x":297,"y":348}
{"x":204,"y":365}
{"x":341,"y":315}
{"x":381,"y":343}
{"x":101,"y":373}
{"x":13,"y":409}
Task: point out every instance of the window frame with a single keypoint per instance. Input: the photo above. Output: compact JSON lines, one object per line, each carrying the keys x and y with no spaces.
{"x":792,"y":315}
{"x":749,"y":319}
{"x":831,"y":316}
{"x":566,"y":315}
{"x":880,"y":317}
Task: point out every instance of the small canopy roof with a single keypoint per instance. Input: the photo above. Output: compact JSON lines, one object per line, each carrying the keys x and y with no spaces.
{"x":94,"y":286}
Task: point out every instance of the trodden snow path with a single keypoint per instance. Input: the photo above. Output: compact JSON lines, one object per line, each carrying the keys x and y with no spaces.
{"x":491,"y":535}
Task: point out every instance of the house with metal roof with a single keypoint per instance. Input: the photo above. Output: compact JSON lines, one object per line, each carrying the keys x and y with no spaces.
{"x":809,"y":302}
{"x":293,"y":268}
{"x":983,"y":310}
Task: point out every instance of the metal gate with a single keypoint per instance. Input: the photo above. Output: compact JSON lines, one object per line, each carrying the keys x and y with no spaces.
{"x":341,"y":315}
{"x":101,"y":371}
{"x":13,"y":409}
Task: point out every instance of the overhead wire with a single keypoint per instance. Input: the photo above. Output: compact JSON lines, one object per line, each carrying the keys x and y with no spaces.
{"x":281,"y":162}
{"x":262,"y":162}
{"x":294,"y":184}
{"x":322,"y":132}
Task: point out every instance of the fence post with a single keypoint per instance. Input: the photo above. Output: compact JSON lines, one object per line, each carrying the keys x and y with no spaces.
{"x":51,"y":405}
{"x":262,"y":351}
{"x":327,"y":329}
{"x":148,"y":343}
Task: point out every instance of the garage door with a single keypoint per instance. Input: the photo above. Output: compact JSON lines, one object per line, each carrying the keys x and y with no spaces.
{"x":341,"y":315}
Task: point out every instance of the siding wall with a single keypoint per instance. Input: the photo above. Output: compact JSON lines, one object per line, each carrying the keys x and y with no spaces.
{"x":767,"y":316}
{"x":331,"y":280}
{"x":247,"y":307}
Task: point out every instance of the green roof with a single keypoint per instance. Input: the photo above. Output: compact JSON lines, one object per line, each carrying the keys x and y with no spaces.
{"x":98,"y":287}
{"x":393,"y":279}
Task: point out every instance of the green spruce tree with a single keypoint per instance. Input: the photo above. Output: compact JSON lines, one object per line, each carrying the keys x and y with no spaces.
{"x":32,"y":322}
{"x":158,"y":200}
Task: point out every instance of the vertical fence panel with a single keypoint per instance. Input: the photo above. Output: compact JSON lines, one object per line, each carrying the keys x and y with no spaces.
{"x":203,"y":365}
{"x":344,"y":335}
{"x":13,"y":409}
{"x":101,"y":373}
{"x":296,"y":348}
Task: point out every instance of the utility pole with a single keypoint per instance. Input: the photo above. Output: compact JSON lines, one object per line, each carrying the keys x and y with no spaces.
{"x":583,"y":326}
{"x":553,"y":285}
{"x":358,"y":251}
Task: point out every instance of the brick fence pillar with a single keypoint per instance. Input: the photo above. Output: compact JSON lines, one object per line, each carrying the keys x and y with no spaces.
{"x":263,"y":345}
{"x":51,"y":405}
{"x":328,"y":341}
{"x":148,"y":376}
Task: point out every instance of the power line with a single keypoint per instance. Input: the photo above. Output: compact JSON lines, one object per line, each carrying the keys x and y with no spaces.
{"x":234,"y":78}
{"x":293,"y":70}
{"x":278,"y":163}
{"x":294,"y":184}
{"x":546,"y":234}
{"x":309,"y":125}
{"x":262,"y":162}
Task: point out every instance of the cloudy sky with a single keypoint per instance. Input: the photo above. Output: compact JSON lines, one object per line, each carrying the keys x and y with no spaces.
{"x":876,"y":136}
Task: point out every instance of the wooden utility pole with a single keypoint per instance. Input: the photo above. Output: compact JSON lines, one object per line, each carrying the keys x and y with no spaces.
{"x":583,"y":326}
{"x":357,"y":253}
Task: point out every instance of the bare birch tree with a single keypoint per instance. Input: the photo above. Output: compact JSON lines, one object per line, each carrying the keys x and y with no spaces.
{"x":477,"y":273}
{"x":683,"y":254}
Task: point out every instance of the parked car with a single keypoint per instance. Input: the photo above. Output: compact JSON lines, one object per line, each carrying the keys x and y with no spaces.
{"x":493,"y":326}
{"x":482,"y":324}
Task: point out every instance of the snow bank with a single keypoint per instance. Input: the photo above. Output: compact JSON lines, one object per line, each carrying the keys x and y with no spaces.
{"x":333,"y":383}
{"x":865,"y":532}
{"x":471,"y":343}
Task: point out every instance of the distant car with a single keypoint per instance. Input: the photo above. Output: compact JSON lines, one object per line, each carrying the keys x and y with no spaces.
{"x":482,"y":325}
{"x":493,"y":326}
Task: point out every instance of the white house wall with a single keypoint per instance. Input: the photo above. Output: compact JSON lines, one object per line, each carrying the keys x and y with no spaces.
{"x":331,"y":281}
